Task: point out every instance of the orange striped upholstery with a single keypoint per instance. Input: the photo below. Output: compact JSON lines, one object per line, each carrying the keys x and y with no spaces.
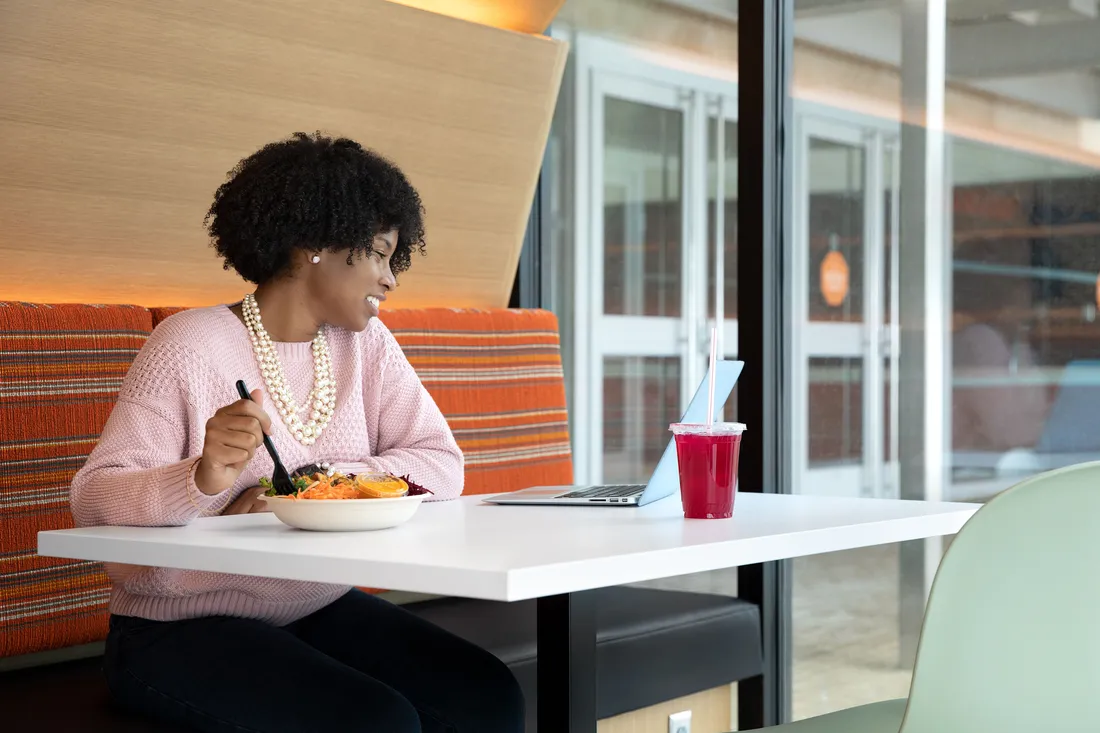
{"x":60,"y":370}
{"x":159,"y":314}
{"x":497,"y":377}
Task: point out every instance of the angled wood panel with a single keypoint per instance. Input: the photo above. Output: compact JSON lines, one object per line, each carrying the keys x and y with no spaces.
{"x":119,"y":119}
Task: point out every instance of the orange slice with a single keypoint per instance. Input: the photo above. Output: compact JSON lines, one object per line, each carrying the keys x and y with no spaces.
{"x":378,"y":486}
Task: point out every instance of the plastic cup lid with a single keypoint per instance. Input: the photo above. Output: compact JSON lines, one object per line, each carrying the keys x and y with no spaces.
{"x":718,"y":428}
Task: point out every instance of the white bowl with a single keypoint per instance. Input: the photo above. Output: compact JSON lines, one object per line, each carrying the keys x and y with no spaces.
{"x":343,"y":515}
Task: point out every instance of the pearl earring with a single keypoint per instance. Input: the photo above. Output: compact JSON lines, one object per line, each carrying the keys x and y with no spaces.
{"x":315,"y":259}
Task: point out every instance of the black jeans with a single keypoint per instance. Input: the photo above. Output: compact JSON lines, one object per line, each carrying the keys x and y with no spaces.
{"x":361,"y":664}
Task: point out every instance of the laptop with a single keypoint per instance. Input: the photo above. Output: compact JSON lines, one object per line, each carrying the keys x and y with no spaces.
{"x":665,"y":480}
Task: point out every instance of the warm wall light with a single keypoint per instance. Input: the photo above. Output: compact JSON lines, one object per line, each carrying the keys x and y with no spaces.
{"x":525,"y":16}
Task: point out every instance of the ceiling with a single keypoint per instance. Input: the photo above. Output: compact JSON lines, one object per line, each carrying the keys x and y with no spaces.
{"x":1045,"y":52}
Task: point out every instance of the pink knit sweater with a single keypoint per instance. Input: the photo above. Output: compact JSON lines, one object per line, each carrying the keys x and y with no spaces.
{"x":140,"y":472}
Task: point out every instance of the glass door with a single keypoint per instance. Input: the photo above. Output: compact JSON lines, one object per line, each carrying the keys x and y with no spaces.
{"x":649,"y":274}
{"x":845,"y":282}
{"x":639,"y":229}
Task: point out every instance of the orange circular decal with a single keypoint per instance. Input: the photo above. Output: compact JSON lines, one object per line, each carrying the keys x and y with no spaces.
{"x":834,"y":279}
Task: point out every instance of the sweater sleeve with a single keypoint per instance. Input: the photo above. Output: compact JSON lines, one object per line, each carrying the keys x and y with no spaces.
{"x":134,"y":476}
{"x":140,"y":473}
{"x":413,"y":438}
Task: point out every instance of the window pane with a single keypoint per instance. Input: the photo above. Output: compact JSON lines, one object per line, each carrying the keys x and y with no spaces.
{"x":642,"y":217}
{"x":1021,"y":252}
{"x":641,"y":398}
{"x":835,"y":411}
{"x":1025,"y":378}
{"x":836,"y":212}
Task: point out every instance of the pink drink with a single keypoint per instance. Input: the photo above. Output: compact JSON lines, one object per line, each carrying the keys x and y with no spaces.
{"x":707,"y":456}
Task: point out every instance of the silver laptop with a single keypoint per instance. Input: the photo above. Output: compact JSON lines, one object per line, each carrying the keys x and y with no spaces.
{"x":665,"y":480}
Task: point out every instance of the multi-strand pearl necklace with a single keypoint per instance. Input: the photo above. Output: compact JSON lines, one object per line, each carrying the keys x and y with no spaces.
{"x":322,"y":398}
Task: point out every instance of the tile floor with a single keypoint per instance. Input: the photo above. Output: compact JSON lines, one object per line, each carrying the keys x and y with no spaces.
{"x":845,"y":616}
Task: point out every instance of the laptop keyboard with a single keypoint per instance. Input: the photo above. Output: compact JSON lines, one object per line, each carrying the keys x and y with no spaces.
{"x":593,"y":492}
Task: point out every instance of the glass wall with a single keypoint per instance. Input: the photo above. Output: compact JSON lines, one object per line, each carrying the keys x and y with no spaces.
{"x":643,"y":164}
{"x":1025,"y":342}
{"x":969,"y":240}
{"x":1003,"y":240}
{"x":640,"y":156}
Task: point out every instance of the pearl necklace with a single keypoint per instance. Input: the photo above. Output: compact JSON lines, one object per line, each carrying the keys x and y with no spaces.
{"x":321,"y":399}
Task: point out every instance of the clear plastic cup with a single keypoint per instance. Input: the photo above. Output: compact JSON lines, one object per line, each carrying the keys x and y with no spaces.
{"x":707,"y":456}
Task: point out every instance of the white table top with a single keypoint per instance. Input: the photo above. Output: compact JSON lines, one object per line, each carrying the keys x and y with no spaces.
{"x":476,"y":550}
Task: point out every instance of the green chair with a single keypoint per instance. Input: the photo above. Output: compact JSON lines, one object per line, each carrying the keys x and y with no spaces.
{"x":1011,"y":637}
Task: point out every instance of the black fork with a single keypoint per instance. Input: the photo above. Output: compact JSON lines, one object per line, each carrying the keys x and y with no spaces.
{"x":280,"y":479}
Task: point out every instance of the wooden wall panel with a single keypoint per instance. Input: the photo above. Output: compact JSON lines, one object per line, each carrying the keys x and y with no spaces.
{"x":119,"y":119}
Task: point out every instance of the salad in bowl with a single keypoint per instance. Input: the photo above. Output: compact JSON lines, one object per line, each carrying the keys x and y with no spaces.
{"x":345,"y":502}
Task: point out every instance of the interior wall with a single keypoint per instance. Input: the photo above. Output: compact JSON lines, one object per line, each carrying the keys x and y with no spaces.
{"x":120,"y":118}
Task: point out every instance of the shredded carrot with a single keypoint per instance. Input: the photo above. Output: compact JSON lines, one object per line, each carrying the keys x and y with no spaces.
{"x":340,"y":486}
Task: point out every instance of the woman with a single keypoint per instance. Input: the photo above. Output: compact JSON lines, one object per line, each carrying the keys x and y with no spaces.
{"x":321,"y":226}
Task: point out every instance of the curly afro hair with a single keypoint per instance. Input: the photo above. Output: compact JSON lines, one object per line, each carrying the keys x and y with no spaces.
{"x":315,"y":193}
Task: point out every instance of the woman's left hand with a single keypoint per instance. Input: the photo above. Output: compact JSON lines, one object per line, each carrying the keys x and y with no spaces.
{"x":248,"y":502}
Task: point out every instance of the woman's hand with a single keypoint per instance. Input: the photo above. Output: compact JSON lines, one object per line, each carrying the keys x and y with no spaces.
{"x":248,"y":502}
{"x":232,"y":437}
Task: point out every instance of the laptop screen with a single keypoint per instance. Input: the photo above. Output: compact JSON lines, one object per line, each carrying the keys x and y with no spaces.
{"x":666,"y":476}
